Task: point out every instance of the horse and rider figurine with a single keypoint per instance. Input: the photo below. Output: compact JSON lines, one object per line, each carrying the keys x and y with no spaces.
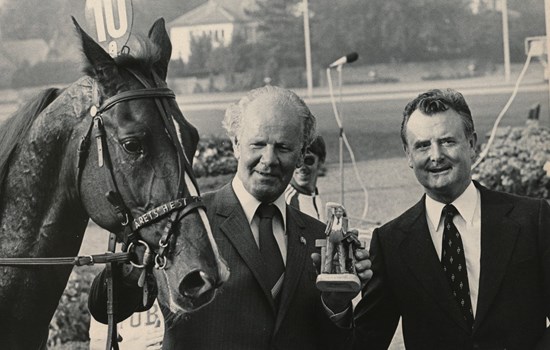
{"x":338,"y":253}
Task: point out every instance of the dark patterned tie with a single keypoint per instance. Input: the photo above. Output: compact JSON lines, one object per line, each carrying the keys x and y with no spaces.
{"x":270,"y":249}
{"x":454,"y":264}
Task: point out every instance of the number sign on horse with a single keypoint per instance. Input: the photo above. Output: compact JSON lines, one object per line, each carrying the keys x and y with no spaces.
{"x":113,"y":147}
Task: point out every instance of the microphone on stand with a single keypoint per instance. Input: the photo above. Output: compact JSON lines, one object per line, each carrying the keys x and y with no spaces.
{"x":352,"y":57}
{"x":349,"y":58}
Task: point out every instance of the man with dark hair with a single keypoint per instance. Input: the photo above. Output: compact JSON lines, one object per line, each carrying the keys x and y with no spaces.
{"x":270,"y":300}
{"x":466,"y":267}
{"x":302,"y":192}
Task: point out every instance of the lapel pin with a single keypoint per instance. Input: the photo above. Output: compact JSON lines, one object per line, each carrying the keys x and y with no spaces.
{"x":303,"y":240}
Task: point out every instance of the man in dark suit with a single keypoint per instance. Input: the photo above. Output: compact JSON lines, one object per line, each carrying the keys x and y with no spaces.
{"x":270,"y":300}
{"x":466,"y":267}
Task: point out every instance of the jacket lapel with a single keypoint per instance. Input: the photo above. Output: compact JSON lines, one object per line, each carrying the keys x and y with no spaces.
{"x":418,"y":251}
{"x":296,"y":259}
{"x":236,"y":228}
{"x":498,"y":238}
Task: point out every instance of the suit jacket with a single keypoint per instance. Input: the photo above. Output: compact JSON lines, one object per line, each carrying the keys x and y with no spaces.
{"x":243,"y":314}
{"x":408,"y":281}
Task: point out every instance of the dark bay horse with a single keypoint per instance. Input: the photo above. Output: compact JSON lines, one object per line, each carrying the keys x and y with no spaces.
{"x":52,"y":184}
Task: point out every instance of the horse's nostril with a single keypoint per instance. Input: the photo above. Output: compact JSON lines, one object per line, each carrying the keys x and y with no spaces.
{"x":194,"y":284}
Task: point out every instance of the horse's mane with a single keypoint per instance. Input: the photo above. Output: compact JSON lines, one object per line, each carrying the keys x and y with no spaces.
{"x":14,"y":129}
{"x":147,"y":54}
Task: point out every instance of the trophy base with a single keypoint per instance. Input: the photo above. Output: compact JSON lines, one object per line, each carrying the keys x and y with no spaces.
{"x":338,"y":282}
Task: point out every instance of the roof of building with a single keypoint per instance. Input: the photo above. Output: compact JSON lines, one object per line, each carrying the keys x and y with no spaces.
{"x":215,"y":12}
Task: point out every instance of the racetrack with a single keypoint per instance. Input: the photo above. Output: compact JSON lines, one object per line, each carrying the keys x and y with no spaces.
{"x":372,"y":125}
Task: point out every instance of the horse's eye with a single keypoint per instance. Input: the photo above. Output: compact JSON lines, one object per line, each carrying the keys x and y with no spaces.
{"x":132,"y":146}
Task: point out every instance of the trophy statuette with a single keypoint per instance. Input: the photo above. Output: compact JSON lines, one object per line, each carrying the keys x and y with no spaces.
{"x":338,"y":253}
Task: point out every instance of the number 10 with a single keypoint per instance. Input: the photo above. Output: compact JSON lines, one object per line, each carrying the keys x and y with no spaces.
{"x":98,"y":6}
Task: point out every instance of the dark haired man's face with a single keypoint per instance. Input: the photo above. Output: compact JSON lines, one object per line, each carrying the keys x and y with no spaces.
{"x":306,"y":175}
{"x":440,"y":153}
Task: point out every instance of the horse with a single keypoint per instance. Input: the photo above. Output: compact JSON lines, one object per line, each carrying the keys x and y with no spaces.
{"x":112,"y":147}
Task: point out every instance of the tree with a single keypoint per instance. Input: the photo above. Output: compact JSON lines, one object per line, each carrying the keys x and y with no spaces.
{"x":201,"y":47}
{"x":29,"y":19}
{"x":281,"y":35}
{"x":389,"y":30}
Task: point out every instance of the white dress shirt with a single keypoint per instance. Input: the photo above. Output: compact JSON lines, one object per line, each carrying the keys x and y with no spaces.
{"x":250,"y":204}
{"x":468,"y":223}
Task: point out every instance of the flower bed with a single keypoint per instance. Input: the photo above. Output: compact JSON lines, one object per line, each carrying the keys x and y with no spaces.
{"x":518,"y":162}
{"x":214,"y":157}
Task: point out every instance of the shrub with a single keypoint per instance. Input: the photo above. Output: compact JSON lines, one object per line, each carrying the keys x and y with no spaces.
{"x":518,"y":162}
{"x":71,"y":320}
{"x":214,"y":157}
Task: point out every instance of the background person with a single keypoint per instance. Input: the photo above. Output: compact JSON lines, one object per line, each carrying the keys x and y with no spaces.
{"x":472,"y":276}
{"x":270,"y":300}
{"x":302,"y":192}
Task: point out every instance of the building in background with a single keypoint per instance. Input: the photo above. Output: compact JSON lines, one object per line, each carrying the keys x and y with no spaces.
{"x":218,"y":19}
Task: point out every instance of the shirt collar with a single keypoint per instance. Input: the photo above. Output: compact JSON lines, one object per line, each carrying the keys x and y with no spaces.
{"x":302,"y":190}
{"x":465,"y":204}
{"x":249,"y":203}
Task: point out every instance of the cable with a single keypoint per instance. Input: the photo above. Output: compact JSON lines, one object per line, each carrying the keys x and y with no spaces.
{"x":345,"y":139}
{"x":504,"y":110}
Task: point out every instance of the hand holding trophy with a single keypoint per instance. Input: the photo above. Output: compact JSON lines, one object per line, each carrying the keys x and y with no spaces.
{"x":338,"y":273}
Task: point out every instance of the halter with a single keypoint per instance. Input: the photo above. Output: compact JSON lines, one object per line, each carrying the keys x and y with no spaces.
{"x":175,"y":209}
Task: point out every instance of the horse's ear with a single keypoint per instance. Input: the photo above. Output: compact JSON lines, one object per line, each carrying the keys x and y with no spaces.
{"x":101,"y":66}
{"x":159,"y":36}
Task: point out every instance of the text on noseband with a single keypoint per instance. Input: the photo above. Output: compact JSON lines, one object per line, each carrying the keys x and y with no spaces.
{"x":161,"y":211}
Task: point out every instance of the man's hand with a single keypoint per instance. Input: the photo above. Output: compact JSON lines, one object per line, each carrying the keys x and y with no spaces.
{"x":339,"y":301}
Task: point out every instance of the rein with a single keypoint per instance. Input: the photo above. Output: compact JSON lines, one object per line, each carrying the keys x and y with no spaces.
{"x":174,"y":209}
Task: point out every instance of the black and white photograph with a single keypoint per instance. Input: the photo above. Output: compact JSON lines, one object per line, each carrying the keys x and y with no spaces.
{"x":274,"y":174}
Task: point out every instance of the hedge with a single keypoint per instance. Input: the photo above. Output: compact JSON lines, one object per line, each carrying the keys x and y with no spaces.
{"x":518,"y":162}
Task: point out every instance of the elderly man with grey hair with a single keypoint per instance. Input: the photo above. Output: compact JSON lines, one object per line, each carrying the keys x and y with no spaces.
{"x":270,"y":300}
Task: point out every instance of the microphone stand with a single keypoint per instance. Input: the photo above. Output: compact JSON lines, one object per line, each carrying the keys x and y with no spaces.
{"x":340,"y":126}
{"x":341,"y":135}
{"x":344,"y":141}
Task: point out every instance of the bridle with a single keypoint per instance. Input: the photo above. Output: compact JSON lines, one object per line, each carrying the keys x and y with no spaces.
{"x":174,"y":209}
{"x":129,"y":234}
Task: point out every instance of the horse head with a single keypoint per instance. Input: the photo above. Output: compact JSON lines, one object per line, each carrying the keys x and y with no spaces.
{"x":136,"y":177}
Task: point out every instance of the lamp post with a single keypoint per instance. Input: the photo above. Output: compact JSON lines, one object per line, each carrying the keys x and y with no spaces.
{"x":505,"y":40}
{"x":307,"y":45}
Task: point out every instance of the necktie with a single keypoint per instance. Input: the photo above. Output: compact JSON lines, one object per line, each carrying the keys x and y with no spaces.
{"x":269,"y":249}
{"x":454,"y":264}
